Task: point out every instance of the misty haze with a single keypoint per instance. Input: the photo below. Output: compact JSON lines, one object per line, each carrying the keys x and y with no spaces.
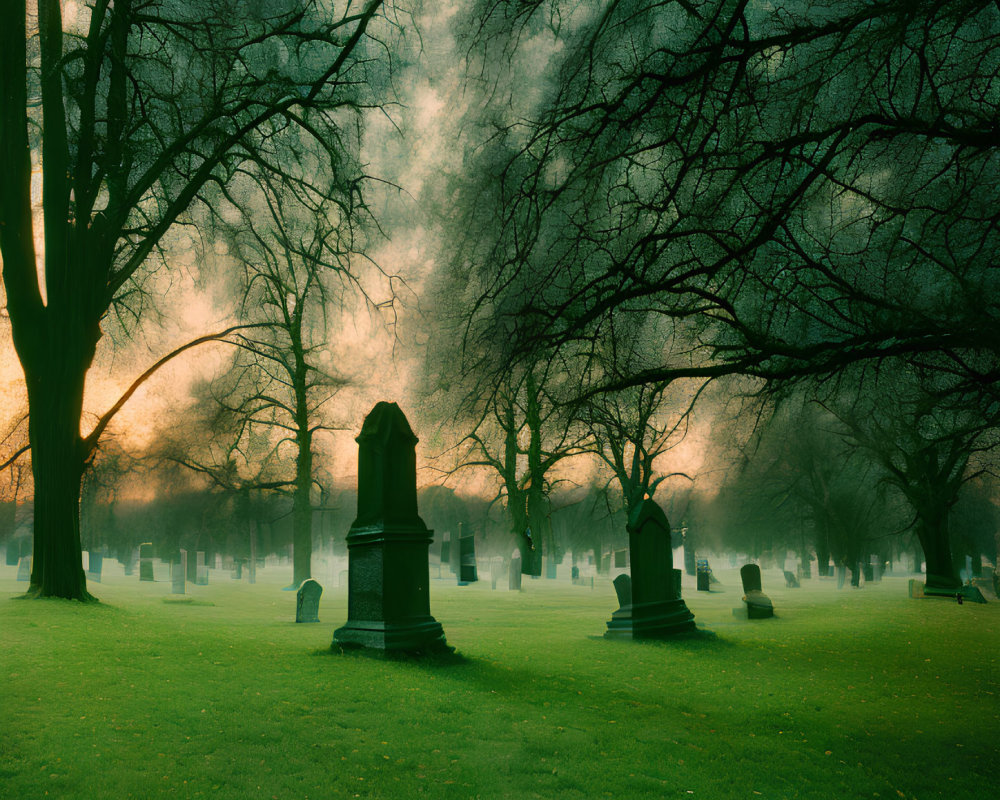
{"x":500,"y":399}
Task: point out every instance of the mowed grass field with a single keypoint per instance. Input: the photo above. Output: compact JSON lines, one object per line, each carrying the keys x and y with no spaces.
{"x":849,"y":693}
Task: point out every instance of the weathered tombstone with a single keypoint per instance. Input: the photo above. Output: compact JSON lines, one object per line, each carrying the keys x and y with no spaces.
{"x":95,"y":566}
{"x":650,"y":606}
{"x":531,"y":557}
{"x":514,"y":575}
{"x":623,"y":589}
{"x":201,"y":569}
{"x":690,"y":562}
{"x":307,"y":601}
{"x":24,"y":568}
{"x":146,"y":561}
{"x":446,"y":548}
{"x":467,"y":560}
{"x":758,"y":604}
{"x":791,"y":582}
{"x":178,"y":573}
{"x":388,"y":603}
{"x":704,"y":573}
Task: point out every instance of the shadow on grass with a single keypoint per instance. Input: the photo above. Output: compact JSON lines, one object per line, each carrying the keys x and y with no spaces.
{"x":699,"y":639}
{"x":432,"y":658}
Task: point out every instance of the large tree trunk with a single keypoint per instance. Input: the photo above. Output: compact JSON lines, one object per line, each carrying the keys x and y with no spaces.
{"x":55,"y":400}
{"x":932,"y":530}
{"x":302,"y":513}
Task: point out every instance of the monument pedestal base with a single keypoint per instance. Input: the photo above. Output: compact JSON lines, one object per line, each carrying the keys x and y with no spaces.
{"x":651,"y":621}
{"x":422,"y":634}
{"x":759,"y":605}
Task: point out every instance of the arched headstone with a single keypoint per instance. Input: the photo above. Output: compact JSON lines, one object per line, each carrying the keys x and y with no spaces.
{"x":758,"y":604}
{"x":650,"y":602}
{"x":307,"y":601}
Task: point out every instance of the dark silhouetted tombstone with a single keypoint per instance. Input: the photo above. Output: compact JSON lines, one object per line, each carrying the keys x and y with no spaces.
{"x":841,"y":576}
{"x":201,"y":569}
{"x":388,"y":604}
{"x":623,"y":589}
{"x":791,"y":582}
{"x":95,"y":566}
{"x":869,"y":573}
{"x":650,"y":606}
{"x":690,"y":562}
{"x":307,"y":601}
{"x":531,"y":556}
{"x":467,"y":560}
{"x":574,"y":574}
{"x":514,"y":574}
{"x":146,"y":561}
{"x":24,"y":568}
{"x":446,"y":548}
{"x":758,"y":604}
{"x":704,"y":575}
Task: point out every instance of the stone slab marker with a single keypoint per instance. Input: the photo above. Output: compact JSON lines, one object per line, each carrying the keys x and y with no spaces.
{"x":146,"y":561}
{"x":704,"y":575}
{"x":388,"y":605}
{"x":307,"y":601}
{"x":758,"y":604}
{"x":446,"y":549}
{"x":514,"y":574}
{"x":467,"y":559}
{"x":650,"y":602}
{"x":95,"y":566}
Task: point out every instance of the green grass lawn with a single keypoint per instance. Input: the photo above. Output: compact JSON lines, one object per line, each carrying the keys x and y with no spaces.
{"x":850,"y":693}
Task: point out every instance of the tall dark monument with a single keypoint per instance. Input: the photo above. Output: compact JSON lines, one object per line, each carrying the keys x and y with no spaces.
{"x":651,"y":604}
{"x":388,"y":607}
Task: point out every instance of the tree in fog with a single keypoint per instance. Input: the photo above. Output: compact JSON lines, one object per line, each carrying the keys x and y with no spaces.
{"x":797,"y":483}
{"x":130,"y":120}
{"x":791,"y":176}
{"x":804,"y":185}
{"x":521,"y":436}
{"x":630,"y":430}
{"x":929,"y":445}
{"x":296,"y":271}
